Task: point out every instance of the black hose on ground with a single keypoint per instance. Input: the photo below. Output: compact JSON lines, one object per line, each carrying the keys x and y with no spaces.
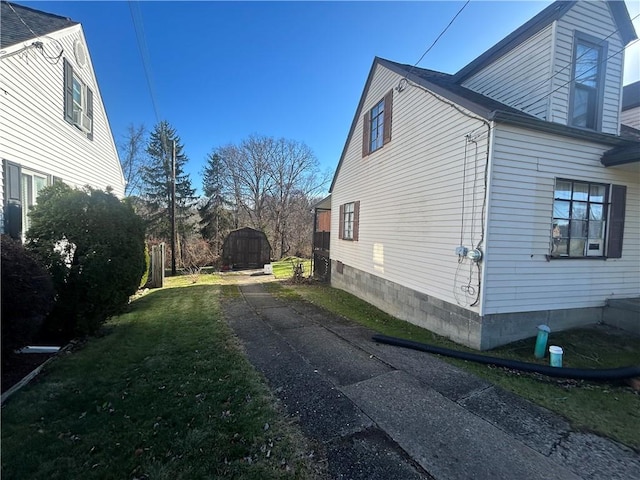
{"x":575,"y":373}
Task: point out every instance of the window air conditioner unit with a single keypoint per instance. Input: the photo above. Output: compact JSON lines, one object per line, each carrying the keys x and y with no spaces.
{"x":86,"y":123}
{"x":82,"y":121}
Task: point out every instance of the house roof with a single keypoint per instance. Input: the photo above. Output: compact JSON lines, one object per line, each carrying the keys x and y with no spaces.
{"x":545,"y":17}
{"x":625,"y":147}
{"x":20,"y":24}
{"x":631,"y":96}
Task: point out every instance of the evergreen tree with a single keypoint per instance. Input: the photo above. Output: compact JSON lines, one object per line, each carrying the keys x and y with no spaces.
{"x":157,"y":183}
{"x":216,"y":219}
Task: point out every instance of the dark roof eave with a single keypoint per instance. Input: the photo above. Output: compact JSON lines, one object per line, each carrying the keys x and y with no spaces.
{"x":439,"y":90}
{"x":559,"y":129}
{"x":621,"y":156}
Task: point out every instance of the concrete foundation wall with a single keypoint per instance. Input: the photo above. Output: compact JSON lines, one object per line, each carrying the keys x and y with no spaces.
{"x":452,"y":321}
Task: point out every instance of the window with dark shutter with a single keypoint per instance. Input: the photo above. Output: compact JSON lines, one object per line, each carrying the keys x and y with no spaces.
{"x":366,"y":134}
{"x":90,"y":112}
{"x":388,"y":112}
{"x":616,"y":221}
{"x":376,"y":125}
{"x":341,"y":223}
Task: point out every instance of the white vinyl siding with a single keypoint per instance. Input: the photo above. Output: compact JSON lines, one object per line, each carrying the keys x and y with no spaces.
{"x":520,"y":78}
{"x":593,"y":19}
{"x":410,"y":191}
{"x":518,"y":275}
{"x":33,"y":132}
{"x":631,"y":117}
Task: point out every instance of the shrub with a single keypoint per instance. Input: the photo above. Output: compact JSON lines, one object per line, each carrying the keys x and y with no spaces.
{"x":27,"y":295}
{"x":93,"y":246}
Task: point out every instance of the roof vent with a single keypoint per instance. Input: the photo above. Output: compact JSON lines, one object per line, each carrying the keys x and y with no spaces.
{"x":80,"y":53}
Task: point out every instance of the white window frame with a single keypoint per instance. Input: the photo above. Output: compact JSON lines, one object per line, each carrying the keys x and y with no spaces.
{"x":348,"y":220}
{"x":29,"y":191}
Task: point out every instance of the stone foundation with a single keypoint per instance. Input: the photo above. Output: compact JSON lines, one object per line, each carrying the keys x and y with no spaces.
{"x":452,"y":321}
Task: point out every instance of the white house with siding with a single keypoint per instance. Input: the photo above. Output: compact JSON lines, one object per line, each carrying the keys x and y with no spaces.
{"x":484,"y":203}
{"x":53,"y":124}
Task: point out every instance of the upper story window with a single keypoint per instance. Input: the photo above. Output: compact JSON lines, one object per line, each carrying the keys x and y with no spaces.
{"x":377,"y":125}
{"x":589,"y":57}
{"x":78,"y":101}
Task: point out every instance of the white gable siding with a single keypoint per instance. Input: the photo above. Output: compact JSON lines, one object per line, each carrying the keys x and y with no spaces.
{"x":631,"y":117}
{"x":33,"y":132}
{"x":520,"y":78}
{"x":410,"y":192}
{"x":518,"y":276}
{"x":592,"y":18}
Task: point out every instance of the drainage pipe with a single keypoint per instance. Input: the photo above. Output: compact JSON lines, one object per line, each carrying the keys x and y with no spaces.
{"x":575,"y":373}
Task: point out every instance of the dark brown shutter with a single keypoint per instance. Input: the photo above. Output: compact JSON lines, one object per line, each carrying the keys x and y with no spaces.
{"x":388,"y":113}
{"x":90,"y":111}
{"x":616,"y":221}
{"x":68,"y":92}
{"x":13,"y":200}
{"x":356,"y":220}
{"x":366,"y":134}
{"x":341,"y":223}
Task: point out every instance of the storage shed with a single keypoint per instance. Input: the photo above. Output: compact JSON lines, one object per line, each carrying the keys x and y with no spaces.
{"x":246,"y":248}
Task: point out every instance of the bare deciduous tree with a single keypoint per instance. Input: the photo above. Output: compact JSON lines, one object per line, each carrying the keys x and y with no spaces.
{"x":133,"y":158}
{"x":264,"y":180}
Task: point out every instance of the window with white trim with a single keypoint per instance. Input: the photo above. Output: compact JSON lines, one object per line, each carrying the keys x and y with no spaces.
{"x":78,"y":101}
{"x":31,"y":183}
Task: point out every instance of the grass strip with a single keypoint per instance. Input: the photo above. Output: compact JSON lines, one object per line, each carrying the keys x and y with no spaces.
{"x":610,"y":408}
{"x":167,"y":394}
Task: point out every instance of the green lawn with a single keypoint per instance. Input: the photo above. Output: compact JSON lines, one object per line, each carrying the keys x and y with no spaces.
{"x":611,"y":409}
{"x":166,"y":394}
{"x":283,"y":269}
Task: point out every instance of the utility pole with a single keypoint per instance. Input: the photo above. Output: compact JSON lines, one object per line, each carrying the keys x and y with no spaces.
{"x":173,"y":210}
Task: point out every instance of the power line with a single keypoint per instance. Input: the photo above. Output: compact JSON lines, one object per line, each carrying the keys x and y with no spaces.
{"x":144,"y":54}
{"x":437,"y":38}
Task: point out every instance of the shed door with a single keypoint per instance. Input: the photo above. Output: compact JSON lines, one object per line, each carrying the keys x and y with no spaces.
{"x":253,"y":251}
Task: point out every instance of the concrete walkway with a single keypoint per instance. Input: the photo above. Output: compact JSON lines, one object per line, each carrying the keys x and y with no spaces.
{"x":383,"y":412}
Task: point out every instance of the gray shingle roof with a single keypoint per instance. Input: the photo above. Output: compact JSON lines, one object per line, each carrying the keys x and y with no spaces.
{"x":13,"y":18}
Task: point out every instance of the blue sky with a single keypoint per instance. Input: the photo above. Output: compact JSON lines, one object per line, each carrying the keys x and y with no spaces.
{"x":221,"y":71}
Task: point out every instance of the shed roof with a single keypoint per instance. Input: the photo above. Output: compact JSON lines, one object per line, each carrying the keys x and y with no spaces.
{"x":19,"y":24}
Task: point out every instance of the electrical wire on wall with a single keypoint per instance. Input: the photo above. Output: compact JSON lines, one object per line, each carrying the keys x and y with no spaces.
{"x":51,"y":51}
{"x":467,"y":278}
